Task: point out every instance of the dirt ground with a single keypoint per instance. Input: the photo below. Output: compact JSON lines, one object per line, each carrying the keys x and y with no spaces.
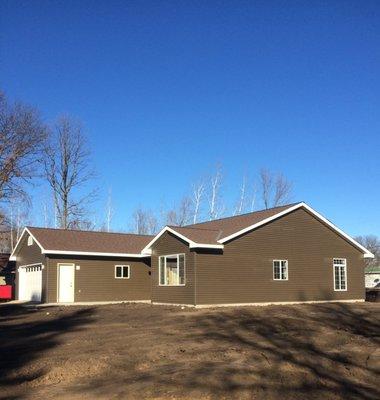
{"x":127,"y":351}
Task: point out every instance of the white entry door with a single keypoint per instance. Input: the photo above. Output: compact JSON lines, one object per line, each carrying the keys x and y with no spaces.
{"x":66,"y":283}
{"x":30,"y":282}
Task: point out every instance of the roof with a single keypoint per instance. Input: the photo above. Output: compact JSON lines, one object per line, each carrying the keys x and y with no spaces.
{"x":213,"y":234}
{"x":372,"y":269}
{"x":224,"y":227}
{"x":61,"y":241}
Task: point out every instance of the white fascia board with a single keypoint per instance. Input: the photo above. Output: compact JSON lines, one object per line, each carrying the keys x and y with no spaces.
{"x":94,"y":253}
{"x":206,"y":246}
{"x":264,"y":221}
{"x":191,"y":243}
{"x":26,"y":230}
{"x":159,"y":234}
{"x":367,"y":253}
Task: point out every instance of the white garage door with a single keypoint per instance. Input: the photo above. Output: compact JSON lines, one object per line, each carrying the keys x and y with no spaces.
{"x":30,"y":282}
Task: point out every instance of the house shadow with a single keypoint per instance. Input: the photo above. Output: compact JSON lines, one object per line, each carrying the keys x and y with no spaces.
{"x":321,"y":351}
{"x":23,"y":342}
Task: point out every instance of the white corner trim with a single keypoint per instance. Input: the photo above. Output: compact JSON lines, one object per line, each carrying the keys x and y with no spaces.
{"x":94,"y":253}
{"x":192,"y":244}
{"x":26,"y":230}
{"x":367,"y":253}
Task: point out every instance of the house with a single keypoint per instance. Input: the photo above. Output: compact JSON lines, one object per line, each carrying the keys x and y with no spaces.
{"x":372,"y":276}
{"x":285,"y":254}
{"x":282,"y":255}
{"x":55,"y":265}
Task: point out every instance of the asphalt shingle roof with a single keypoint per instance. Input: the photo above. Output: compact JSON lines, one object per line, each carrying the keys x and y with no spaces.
{"x":90,"y":241}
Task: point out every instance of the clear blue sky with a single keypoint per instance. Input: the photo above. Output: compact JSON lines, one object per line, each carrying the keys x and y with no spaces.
{"x":167,"y":89}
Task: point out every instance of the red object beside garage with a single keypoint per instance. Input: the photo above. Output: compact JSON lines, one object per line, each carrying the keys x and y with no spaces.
{"x":6,"y":292}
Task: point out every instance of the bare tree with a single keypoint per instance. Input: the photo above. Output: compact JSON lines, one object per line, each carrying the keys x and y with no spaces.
{"x":372,"y":243}
{"x":276,"y":190}
{"x":214,"y":196}
{"x":282,"y":192}
{"x":266,"y":181}
{"x":181,"y":215}
{"x":67,"y":169}
{"x":145,"y":223}
{"x":17,"y":219}
{"x":22,"y":138}
{"x":197,"y":198}
{"x":109,"y":212}
{"x":240,"y":206}
{"x":253,"y":197}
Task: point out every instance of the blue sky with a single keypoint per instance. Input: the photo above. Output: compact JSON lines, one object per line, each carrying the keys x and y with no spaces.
{"x":168,"y":89}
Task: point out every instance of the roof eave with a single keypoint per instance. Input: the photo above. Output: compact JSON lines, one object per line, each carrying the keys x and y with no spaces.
{"x":366,"y":252}
{"x":95,"y":253}
{"x":192,"y":244}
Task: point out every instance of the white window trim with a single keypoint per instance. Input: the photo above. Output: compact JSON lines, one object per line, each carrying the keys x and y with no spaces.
{"x":123,"y":277}
{"x":30,"y":240}
{"x":345,"y":273}
{"x":287,"y":270}
{"x":184,"y":269}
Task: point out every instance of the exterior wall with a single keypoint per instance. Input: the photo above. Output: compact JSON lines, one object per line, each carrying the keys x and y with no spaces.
{"x":243,"y":272}
{"x":372,"y":279}
{"x":30,"y":255}
{"x":95,"y":280}
{"x":168,"y":244}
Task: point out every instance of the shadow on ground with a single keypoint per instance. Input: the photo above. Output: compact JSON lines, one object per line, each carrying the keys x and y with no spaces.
{"x":295,"y":352}
{"x":23,"y":340}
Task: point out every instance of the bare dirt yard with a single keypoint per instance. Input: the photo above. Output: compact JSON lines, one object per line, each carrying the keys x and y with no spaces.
{"x":127,"y":351}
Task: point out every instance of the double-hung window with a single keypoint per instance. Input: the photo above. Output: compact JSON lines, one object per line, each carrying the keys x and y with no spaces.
{"x":340,"y":274}
{"x":280,"y":270}
{"x":172,"y":270}
{"x":122,"y":271}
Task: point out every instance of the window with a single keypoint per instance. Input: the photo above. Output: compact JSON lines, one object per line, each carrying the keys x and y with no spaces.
{"x":280,"y":270}
{"x":172,"y":270}
{"x":340,"y":274}
{"x":30,"y":241}
{"x":122,"y":271}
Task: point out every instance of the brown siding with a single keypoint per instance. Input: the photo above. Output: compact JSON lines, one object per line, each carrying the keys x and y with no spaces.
{"x":244,"y":273}
{"x":30,"y":255}
{"x":95,"y":280}
{"x":168,"y":244}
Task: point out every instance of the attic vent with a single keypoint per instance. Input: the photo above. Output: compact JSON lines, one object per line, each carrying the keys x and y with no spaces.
{"x":30,"y":241}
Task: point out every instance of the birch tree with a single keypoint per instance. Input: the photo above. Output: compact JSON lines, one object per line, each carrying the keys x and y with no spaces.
{"x":240,"y":206}
{"x":214,"y":196}
{"x":109,"y":212}
{"x":197,"y":198}
{"x":67,"y":171}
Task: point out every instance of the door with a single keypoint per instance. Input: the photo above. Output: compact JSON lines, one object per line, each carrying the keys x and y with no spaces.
{"x":30,"y":282}
{"x":66,"y":283}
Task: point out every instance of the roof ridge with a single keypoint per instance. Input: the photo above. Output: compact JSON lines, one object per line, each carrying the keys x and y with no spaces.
{"x":241,"y":215}
{"x":88,"y":231}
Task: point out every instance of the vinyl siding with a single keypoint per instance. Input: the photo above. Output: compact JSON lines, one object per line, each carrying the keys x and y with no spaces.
{"x":168,"y":244}
{"x":95,"y":280}
{"x":243,"y":273}
{"x":30,"y":255}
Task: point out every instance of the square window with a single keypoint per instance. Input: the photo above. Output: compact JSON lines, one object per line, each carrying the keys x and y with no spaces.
{"x":172,"y":270}
{"x":122,"y":271}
